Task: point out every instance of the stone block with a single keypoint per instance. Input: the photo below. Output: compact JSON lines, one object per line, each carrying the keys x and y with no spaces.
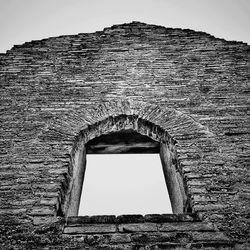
{"x":39,"y":220}
{"x":137,"y":227}
{"x":170,"y":217}
{"x":209,"y":236}
{"x":208,"y":207}
{"x":186,"y":226}
{"x":153,"y":237}
{"x":79,"y":220}
{"x":12,"y":211}
{"x":120,"y":238}
{"x":91,"y":228}
{"x":130,"y":218}
{"x":42,"y":211}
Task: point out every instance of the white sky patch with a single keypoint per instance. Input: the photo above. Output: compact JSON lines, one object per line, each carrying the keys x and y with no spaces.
{"x":25,"y":20}
{"x":118,"y":184}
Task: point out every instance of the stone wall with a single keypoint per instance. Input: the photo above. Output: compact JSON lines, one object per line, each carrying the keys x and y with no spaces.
{"x":188,"y":85}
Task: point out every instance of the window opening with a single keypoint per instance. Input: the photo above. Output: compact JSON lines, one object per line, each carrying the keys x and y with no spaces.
{"x":125,"y":142}
{"x":124,"y":184}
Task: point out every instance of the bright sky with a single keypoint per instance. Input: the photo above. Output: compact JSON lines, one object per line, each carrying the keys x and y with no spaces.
{"x":25,"y":20}
{"x":124,"y":184}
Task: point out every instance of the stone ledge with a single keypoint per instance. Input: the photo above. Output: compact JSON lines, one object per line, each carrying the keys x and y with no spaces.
{"x":167,"y":226}
{"x":79,"y":220}
{"x":134,"y":218}
{"x":185,"y":240}
{"x":158,"y":231}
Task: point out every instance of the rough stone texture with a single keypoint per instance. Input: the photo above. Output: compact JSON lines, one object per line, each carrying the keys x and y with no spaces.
{"x":173,"y":85}
{"x":135,"y":230}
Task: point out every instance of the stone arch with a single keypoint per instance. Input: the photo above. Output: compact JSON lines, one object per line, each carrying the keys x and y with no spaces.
{"x":167,"y":126}
{"x":83,"y":119}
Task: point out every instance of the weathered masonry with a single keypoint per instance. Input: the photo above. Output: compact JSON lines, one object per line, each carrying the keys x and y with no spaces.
{"x":180,"y":93}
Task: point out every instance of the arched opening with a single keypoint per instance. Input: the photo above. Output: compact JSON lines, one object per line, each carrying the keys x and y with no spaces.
{"x":126,"y":137}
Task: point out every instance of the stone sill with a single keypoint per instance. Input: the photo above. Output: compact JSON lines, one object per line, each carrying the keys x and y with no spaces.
{"x":174,"y":228}
{"x":107,"y":224}
{"x":134,"y":218}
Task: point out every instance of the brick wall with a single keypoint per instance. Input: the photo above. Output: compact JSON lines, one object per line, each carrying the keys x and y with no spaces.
{"x":188,"y":85}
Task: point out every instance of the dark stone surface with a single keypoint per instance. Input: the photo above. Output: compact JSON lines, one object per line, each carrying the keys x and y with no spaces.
{"x":79,"y":220}
{"x":124,"y":142}
{"x":133,"y":218}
